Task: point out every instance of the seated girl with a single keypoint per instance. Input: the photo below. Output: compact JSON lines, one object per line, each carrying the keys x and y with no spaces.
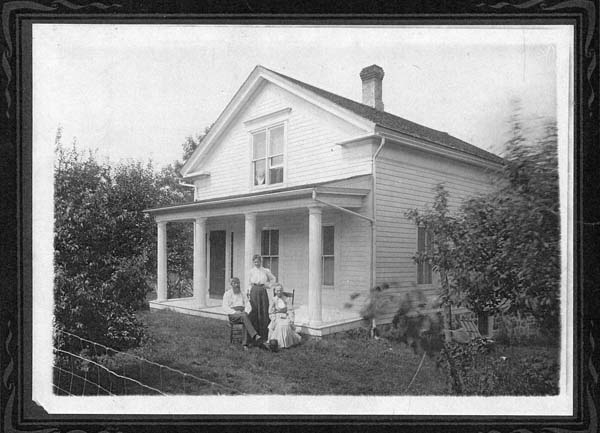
{"x":281,"y":313}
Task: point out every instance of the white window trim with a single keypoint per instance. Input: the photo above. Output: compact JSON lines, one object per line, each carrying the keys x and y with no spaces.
{"x":265,"y":122}
{"x":335,"y":254}
{"x":278,"y":248}
{"x":267,"y":186}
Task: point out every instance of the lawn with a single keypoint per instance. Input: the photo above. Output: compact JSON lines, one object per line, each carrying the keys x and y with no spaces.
{"x":344,"y":364}
{"x":348,"y":363}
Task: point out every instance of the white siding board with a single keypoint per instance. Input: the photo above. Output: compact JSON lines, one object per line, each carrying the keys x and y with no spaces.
{"x":405,"y":181}
{"x":311,"y":153}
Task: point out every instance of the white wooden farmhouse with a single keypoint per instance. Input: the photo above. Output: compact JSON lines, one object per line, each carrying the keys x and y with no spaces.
{"x":318,"y":185}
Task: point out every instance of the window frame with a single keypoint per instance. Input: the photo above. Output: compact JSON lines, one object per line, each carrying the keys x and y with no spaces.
{"x":424,"y":269}
{"x":270,"y":256}
{"x":267,"y":157}
{"x":323,"y":256}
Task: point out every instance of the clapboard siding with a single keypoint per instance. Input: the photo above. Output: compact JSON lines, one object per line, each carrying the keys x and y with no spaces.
{"x":352,"y":252}
{"x":311,"y":152}
{"x":405,"y":180}
{"x":355,"y":261}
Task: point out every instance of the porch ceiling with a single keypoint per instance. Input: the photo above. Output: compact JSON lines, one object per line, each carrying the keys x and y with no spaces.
{"x":262,"y":202}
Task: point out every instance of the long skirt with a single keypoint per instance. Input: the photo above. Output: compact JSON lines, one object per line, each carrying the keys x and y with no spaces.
{"x":282,"y":330}
{"x":259,"y":316}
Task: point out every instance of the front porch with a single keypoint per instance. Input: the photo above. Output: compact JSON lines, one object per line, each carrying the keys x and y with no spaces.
{"x":333,"y":320}
{"x":287,"y":228}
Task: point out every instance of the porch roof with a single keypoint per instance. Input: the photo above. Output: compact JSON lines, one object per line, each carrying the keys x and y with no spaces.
{"x":263,"y":201}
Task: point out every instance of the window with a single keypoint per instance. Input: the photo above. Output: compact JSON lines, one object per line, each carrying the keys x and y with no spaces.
{"x":269,"y":250}
{"x":231,"y":256}
{"x":267,"y":156}
{"x":328,"y":255}
{"x":424,"y":273}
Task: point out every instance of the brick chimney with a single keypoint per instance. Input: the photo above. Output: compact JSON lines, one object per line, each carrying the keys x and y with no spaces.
{"x":372,"y":77}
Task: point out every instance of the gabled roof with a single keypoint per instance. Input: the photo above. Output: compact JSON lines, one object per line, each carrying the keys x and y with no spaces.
{"x":393,"y":122}
{"x":360,"y":114}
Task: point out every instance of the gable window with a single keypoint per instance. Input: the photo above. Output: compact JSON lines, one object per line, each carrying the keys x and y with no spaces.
{"x":267,"y":155}
{"x":424,"y":273}
{"x":269,"y":250}
{"x":328,"y":255}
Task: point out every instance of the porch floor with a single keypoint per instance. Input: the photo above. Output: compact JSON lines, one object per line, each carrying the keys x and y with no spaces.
{"x":333,"y":320}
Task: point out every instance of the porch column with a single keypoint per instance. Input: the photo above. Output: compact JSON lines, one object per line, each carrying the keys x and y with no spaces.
{"x":315,"y":267}
{"x":199,"y":262}
{"x":161,"y":259}
{"x":249,"y":242}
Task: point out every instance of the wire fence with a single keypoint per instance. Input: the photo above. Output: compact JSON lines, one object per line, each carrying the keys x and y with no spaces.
{"x":83,"y":368}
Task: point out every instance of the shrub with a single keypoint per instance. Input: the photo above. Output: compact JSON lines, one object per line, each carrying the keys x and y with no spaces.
{"x":477,"y":369}
{"x":82,"y":309}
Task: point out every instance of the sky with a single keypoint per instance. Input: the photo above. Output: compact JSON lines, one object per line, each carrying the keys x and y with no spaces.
{"x":137,"y":91}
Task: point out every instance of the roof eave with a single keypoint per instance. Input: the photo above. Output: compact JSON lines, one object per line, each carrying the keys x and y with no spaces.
{"x":424,"y":144}
{"x":271,"y":196}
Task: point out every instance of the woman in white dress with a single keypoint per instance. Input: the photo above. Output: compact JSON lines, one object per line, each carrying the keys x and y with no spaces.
{"x":281,"y":327}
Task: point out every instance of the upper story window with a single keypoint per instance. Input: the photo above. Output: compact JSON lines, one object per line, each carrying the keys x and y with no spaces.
{"x":267,"y":155}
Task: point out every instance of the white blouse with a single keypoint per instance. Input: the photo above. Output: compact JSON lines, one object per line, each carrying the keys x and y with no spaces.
{"x":261,"y":276}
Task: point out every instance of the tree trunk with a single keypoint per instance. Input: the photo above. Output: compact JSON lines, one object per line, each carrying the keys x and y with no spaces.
{"x":448,"y":323}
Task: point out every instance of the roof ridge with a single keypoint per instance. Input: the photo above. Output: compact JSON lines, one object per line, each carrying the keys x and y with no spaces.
{"x":394,"y":122}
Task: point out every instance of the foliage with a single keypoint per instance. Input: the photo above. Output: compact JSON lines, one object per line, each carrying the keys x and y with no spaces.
{"x":477,"y":369}
{"x":105,"y":244}
{"x":416,"y":325}
{"x":500,"y":251}
{"x":516,"y":230}
{"x":190,"y":144}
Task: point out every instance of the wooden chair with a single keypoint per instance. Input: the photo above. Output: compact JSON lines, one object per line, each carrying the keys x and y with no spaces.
{"x":289,"y":295}
{"x":470,"y":327}
{"x":236,"y":331}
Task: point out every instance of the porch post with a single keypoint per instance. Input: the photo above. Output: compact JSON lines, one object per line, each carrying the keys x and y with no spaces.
{"x":249,"y":241}
{"x":161,"y":259}
{"x":199,"y":262}
{"x":315,"y":267}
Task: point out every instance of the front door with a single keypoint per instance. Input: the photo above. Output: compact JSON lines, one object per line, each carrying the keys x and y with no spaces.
{"x":217,"y":263}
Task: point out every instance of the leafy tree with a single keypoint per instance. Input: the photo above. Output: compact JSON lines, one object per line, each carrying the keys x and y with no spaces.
{"x":511,"y":248}
{"x":180,"y":235}
{"x":445,"y":232}
{"x":105,"y":244}
{"x":190,"y":144}
{"x":501,"y":250}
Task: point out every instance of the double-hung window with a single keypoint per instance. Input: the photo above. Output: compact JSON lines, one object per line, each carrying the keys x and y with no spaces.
{"x":269,"y":250}
{"x":328,"y":255}
{"x":424,"y":272}
{"x":267,"y":155}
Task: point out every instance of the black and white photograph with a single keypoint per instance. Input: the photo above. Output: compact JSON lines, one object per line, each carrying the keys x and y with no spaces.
{"x":230,"y":219}
{"x":292,"y":219}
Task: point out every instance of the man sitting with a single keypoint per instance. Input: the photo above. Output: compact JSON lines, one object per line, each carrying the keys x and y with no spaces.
{"x":237,"y":305}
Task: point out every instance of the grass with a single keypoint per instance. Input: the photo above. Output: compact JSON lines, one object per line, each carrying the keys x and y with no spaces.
{"x":343,"y":364}
{"x":347,"y":364}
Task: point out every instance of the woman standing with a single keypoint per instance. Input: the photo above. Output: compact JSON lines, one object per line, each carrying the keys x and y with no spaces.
{"x":260,"y":278}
